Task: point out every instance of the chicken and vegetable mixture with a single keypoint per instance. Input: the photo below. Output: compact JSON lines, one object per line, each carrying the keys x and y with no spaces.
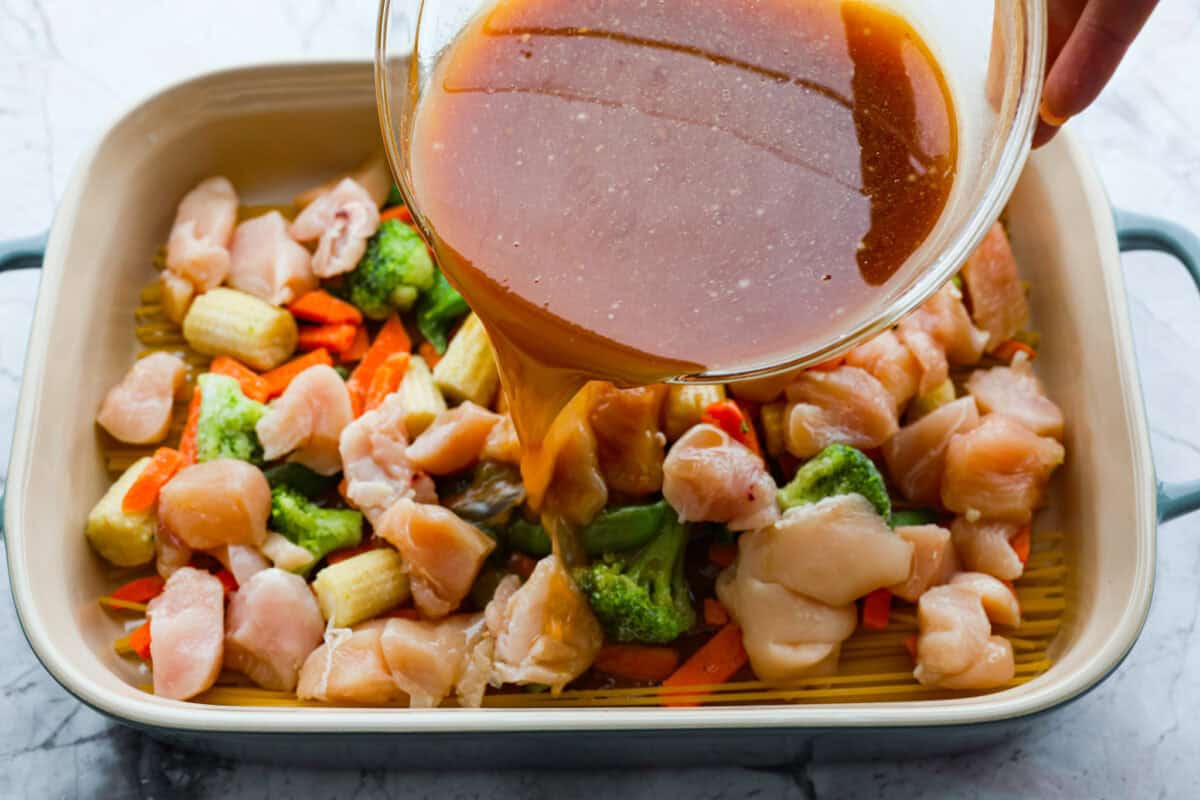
{"x":342,"y":515}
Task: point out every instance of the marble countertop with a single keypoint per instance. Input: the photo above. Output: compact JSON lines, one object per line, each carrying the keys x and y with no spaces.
{"x":67,"y":68}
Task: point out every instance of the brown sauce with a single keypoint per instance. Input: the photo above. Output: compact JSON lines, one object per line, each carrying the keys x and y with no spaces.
{"x":632,"y":190}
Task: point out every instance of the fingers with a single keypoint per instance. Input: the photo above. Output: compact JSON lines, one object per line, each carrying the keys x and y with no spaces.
{"x":1095,"y":47}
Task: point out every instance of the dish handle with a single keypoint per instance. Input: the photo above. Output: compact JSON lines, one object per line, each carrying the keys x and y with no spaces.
{"x":20,"y":254}
{"x":1140,"y":232}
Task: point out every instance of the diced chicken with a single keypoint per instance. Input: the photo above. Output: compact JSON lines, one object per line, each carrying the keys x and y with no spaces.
{"x":374,"y":450}
{"x":786,"y":635}
{"x":349,"y":668}
{"x":502,"y":443}
{"x":993,"y":669}
{"x":341,"y":221}
{"x":177,"y":294}
{"x":1016,"y":392}
{"x":307,"y":420}
{"x":954,"y":631}
{"x":916,"y":456}
{"x":998,"y":303}
{"x":834,"y":551}
{"x":170,"y":553}
{"x":372,"y":174}
{"x":929,"y":354}
{"x":274,"y":624}
{"x":891,"y":363}
{"x":984,"y":546}
{"x":934,"y":560}
{"x":454,"y":440}
{"x":763,"y":390}
{"x":216,"y":503}
{"x":944,"y":317}
{"x":842,"y":406}
{"x":286,"y":554}
{"x":710,"y":477}
{"x":629,"y":443}
{"x":545,"y":631}
{"x":429,"y":659}
{"x":197,"y":249}
{"x":999,"y":601}
{"x":138,"y":409}
{"x":242,"y":562}
{"x":442,"y":553}
{"x":998,"y":470}
{"x":187,"y":628}
{"x":267,"y":263}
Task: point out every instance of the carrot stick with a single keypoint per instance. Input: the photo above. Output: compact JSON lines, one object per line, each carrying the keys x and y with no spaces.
{"x":714,"y":613}
{"x":716,"y":661}
{"x":637,"y":662}
{"x":279,"y":378}
{"x":385,"y":380}
{"x":362,"y":342}
{"x":139,"y":641}
{"x":728,"y":416}
{"x":722,"y":554}
{"x":187,"y":443}
{"x":228,"y":582}
{"x":1007,"y":350}
{"x":1021,"y":542}
{"x":334,"y":338}
{"x":252,"y":384}
{"x":144,"y":492}
{"x":430,"y":354}
{"x":320,"y":306}
{"x":140,"y":590}
{"x":391,"y":339}
{"x":877,"y":607}
{"x":399,"y":213}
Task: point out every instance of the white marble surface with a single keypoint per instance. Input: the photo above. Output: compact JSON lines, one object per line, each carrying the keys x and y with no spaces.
{"x":67,"y":67}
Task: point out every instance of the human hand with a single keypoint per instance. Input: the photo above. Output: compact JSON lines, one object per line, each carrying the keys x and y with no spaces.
{"x":1088,"y":39}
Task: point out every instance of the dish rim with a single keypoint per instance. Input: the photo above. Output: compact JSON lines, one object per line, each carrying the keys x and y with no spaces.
{"x":148,"y":711}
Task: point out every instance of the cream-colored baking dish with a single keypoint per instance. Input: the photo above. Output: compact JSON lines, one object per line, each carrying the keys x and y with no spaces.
{"x":276,"y":129}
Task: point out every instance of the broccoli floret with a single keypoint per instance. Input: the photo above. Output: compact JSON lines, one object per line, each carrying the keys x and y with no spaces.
{"x":225,"y":428}
{"x":394,"y":269}
{"x":838,"y":469}
{"x":301,"y":478}
{"x":438,"y":309}
{"x":643,"y":597}
{"x":394,"y":197}
{"x":918,"y":516}
{"x":318,"y":530}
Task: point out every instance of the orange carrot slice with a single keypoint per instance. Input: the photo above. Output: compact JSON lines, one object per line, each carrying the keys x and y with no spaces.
{"x":1021,"y":542}
{"x":187,"y":443}
{"x":430,"y":354}
{"x":385,"y":380}
{"x":877,"y":607}
{"x":715,"y":662}
{"x":728,"y":416}
{"x":391,"y":339}
{"x":714,"y":613}
{"x":139,"y":641}
{"x":637,"y":662}
{"x":279,"y":378}
{"x":143,"y":494}
{"x":399,"y":213}
{"x":251,"y":383}
{"x":362,"y":342}
{"x":322,"y":307}
{"x":140,"y":590}
{"x":334,"y":338}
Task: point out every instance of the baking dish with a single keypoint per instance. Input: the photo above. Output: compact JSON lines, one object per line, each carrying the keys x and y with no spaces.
{"x":256,"y":125}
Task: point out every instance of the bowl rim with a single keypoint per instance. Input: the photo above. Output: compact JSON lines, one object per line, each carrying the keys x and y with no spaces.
{"x":151,"y":712}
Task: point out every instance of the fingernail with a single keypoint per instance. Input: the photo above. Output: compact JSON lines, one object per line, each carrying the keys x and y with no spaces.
{"x":1049,"y":117}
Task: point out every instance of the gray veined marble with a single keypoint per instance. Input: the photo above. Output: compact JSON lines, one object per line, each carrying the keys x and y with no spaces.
{"x":67,"y":67}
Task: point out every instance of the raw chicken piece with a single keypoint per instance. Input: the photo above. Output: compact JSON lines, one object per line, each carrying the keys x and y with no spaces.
{"x":842,"y":406}
{"x":786,"y":635}
{"x":187,"y":625}
{"x":374,"y":451}
{"x":216,"y":503}
{"x":138,"y":409}
{"x":998,"y":303}
{"x":274,"y":624}
{"x":994,"y":668}
{"x":242,"y":562}
{"x":170,"y":553}
{"x":267,"y":263}
{"x":349,"y":668}
{"x":545,"y":631}
{"x":954,"y":631}
{"x":177,"y":294}
{"x":834,"y":551}
{"x":1016,"y":392}
{"x":428,"y":659}
{"x":999,"y":601}
{"x":998,"y":470}
{"x":944,"y":317}
{"x":891,"y":363}
{"x":984,"y":547}
{"x":197,"y":249}
{"x":307,"y":420}
{"x":286,"y":554}
{"x":342,"y":220}
{"x":763,"y":390}
{"x":502,"y":443}
{"x":629,"y":443}
{"x":454,"y":440}
{"x":710,"y":477}
{"x":916,"y":456}
{"x":442,"y":553}
{"x":372,"y":174}
{"x":934,"y":561}
{"x":930,"y":356}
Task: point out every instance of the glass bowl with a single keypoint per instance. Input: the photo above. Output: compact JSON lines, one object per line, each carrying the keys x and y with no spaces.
{"x":992,"y":55}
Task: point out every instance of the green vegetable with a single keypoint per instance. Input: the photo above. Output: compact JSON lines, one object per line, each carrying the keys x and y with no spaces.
{"x":343,"y":371}
{"x":394,"y":197}
{"x":301,"y":478}
{"x":643,"y":597}
{"x":613,"y":531}
{"x":838,"y":469}
{"x":919,"y":516}
{"x":225,"y":428}
{"x":493,"y":491}
{"x":438,"y":309}
{"x":318,"y":530}
{"x":394,"y":269}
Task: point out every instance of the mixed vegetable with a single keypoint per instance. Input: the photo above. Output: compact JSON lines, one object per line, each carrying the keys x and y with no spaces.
{"x":343,"y":517}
